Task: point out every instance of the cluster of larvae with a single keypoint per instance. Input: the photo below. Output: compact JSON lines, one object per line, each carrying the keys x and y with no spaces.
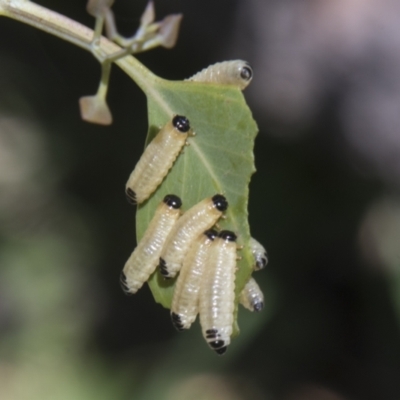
{"x":205,"y":261}
{"x":187,"y":243}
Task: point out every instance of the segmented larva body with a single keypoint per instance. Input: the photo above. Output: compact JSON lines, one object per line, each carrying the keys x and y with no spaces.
{"x":157,"y":160}
{"x":217,"y":296}
{"x":185,"y":302}
{"x":190,"y":225}
{"x":259,"y":254}
{"x":237,"y":73}
{"x":251,"y":297}
{"x":144,"y":259}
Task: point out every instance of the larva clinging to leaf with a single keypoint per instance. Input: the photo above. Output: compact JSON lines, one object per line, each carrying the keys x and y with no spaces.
{"x":237,"y":73}
{"x":185,"y":302}
{"x":157,"y":160}
{"x":144,"y":259}
{"x":259,"y":254}
{"x":192,"y":224}
{"x":251,"y":297}
{"x":217,"y":296}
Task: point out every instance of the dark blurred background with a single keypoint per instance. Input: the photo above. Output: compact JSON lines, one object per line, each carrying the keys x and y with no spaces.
{"x":325,"y":202}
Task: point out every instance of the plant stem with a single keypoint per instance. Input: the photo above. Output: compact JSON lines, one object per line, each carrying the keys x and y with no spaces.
{"x":63,"y":27}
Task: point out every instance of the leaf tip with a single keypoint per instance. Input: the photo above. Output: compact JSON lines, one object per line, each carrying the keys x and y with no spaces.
{"x":148,"y":15}
{"x":169,"y":30}
{"x":95,"y":110}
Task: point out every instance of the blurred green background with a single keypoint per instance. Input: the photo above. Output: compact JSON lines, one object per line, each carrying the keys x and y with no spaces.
{"x":324,"y":201}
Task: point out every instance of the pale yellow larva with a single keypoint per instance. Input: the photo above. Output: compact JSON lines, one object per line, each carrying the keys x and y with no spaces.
{"x":251,"y":297}
{"x":259,"y":254}
{"x":190,"y":225}
{"x":236,"y":73}
{"x":157,"y":160}
{"x":185,"y":301}
{"x":144,"y":259}
{"x":217,"y":295}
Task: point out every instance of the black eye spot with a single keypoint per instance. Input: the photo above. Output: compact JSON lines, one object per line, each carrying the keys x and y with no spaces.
{"x":131,"y":196}
{"x":217,"y":344}
{"x":211,"y":234}
{"x":258,"y":306}
{"x":246,"y":73}
{"x":212,"y":333}
{"x":228,"y":235}
{"x":176,"y":317}
{"x":220,"y":202}
{"x":262,"y":261}
{"x":181,"y":123}
{"x":163,"y":268}
{"x":124,"y":285}
{"x":177,"y":322}
{"x":173,"y":201}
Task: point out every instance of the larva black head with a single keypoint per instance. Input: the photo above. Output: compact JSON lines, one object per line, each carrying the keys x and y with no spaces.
{"x":220,"y":202}
{"x":131,"y":196}
{"x":246,"y":73}
{"x":228,"y":235}
{"x":173,"y":201}
{"x":261,"y":261}
{"x":211,"y":234}
{"x":124,"y":285}
{"x":258,"y":306}
{"x":163,"y":269}
{"x":177,"y":322}
{"x":218,"y":346}
{"x":181,"y":123}
{"x":221,"y":351}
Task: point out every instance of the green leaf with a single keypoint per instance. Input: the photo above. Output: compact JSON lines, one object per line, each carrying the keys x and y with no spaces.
{"x":219,"y":159}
